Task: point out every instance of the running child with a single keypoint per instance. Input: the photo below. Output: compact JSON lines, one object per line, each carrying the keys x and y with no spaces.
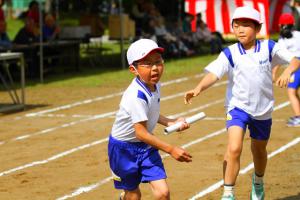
{"x":249,"y":98}
{"x":290,"y":39}
{"x":132,"y":148}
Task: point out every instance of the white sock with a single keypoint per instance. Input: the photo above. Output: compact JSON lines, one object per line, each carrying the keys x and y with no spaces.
{"x":228,"y":190}
{"x":258,"y":179}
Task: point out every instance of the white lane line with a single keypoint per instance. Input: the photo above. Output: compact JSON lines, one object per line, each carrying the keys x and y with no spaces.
{"x":108,"y":114}
{"x":244,"y":170}
{"x":196,"y":109}
{"x":68,"y":106}
{"x":65,"y":153}
{"x":91,"y":187}
{"x":282,"y":105}
{"x":87,"y":101}
{"x":85,"y":189}
{"x":54,"y":156}
{"x":26,"y":136}
{"x":162,"y":99}
{"x":223,"y":119}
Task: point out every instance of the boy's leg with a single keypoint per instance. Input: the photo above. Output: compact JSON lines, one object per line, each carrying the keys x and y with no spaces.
{"x":236,"y":125}
{"x":131,"y":195}
{"x":294,"y":99}
{"x":292,"y":91}
{"x":260,"y":156}
{"x":160,"y":189}
{"x":260,"y":133}
{"x":231,"y":164}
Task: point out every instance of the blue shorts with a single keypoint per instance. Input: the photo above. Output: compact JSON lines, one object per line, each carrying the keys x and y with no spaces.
{"x":133,"y":163}
{"x":259,"y":129}
{"x":295,"y":80}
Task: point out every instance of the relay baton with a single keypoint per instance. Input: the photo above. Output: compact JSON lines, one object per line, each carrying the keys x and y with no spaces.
{"x":189,"y":120}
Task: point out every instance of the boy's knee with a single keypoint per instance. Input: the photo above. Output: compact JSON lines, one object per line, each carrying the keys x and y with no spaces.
{"x":132,"y":195}
{"x":163,"y":194}
{"x":259,"y":151}
{"x":234,"y":151}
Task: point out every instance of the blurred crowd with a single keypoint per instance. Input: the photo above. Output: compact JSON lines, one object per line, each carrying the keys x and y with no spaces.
{"x":177,"y":36}
{"x":30,"y":32}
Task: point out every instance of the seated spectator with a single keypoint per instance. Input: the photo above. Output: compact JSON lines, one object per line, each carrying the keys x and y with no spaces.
{"x":27,"y":34}
{"x":173,"y":44}
{"x":204,"y":34}
{"x":4,"y":39}
{"x":50,"y":29}
{"x":33,"y":12}
{"x":2,"y":17}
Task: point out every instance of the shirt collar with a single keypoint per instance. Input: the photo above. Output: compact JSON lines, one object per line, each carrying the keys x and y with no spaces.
{"x":144,"y":86}
{"x":256,"y":49}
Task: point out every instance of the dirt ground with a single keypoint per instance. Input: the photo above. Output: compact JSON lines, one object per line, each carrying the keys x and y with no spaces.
{"x":53,"y":152}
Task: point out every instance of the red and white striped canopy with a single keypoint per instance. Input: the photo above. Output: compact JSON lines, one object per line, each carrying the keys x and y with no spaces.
{"x":218,"y":13}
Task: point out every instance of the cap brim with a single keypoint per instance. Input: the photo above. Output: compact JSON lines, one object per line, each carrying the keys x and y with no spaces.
{"x":159,"y":49}
{"x":247,"y":18}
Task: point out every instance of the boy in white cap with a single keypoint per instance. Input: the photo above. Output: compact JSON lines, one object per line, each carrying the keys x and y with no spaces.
{"x":249,"y":98}
{"x":290,"y":39}
{"x":132,"y":148}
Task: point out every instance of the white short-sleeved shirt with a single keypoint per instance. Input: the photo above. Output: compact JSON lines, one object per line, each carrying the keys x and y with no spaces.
{"x":138,"y":104}
{"x":250,"y":86}
{"x":292,"y":44}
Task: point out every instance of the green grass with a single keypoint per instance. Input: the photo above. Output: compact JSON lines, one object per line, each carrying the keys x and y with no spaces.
{"x":115,"y":77}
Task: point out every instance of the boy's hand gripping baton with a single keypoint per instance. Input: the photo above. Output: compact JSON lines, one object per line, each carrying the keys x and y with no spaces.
{"x":189,"y":120}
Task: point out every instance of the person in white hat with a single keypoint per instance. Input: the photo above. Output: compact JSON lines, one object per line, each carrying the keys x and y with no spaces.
{"x":132,"y":148}
{"x":249,"y":98}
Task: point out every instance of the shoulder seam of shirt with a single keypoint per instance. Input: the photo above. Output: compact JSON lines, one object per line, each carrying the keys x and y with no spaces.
{"x":142,"y":95}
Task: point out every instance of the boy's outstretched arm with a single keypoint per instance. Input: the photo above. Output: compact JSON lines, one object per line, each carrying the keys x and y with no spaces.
{"x":284,"y":78}
{"x":208,"y":80}
{"x":143,"y":135}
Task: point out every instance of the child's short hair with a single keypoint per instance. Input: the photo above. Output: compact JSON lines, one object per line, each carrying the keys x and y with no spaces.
{"x":140,"y":49}
{"x":247,"y":12}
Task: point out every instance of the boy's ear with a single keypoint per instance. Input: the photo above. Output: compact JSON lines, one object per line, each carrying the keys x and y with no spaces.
{"x":258,"y":28}
{"x":133,"y":70}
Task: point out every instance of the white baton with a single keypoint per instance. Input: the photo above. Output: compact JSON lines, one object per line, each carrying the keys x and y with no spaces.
{"x":189,"y":120}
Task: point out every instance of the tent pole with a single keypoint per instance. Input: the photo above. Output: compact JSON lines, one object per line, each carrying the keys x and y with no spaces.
{"x":57,"y":10}
{"x":122,"y":34}
{"x":41,"y":42}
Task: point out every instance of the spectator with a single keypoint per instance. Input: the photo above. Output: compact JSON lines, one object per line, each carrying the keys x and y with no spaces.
{"x":2,"y":16}
{"x":141,"y":14}
{"x":186,"y":23}
{"x":33,"y":12}
{"x":204,"y":34}
{"x":4,"y":39}
{"x":295,"y":6}
{"x":27,"y":34}
{"x":174,"y":45}
{"x":50,"y":28}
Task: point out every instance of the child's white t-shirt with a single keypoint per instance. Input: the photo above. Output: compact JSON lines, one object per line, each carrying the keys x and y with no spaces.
{"x":250,"y":85}
{"x":292,"y":44}
{"x":138,"y":104}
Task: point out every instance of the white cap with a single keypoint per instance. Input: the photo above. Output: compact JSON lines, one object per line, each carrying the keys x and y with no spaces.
{"x":140,"y":49}
{"x":246,"y":12}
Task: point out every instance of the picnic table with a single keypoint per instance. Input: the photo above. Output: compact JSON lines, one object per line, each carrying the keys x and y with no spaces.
{"x":18,"y":100}
{"x":69,"y":50}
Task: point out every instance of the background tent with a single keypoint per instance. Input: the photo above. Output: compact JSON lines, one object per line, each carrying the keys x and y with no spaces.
{"x":217,"y":13}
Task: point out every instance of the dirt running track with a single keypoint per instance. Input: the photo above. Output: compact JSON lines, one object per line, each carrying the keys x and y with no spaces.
{"x":62,"y":153}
